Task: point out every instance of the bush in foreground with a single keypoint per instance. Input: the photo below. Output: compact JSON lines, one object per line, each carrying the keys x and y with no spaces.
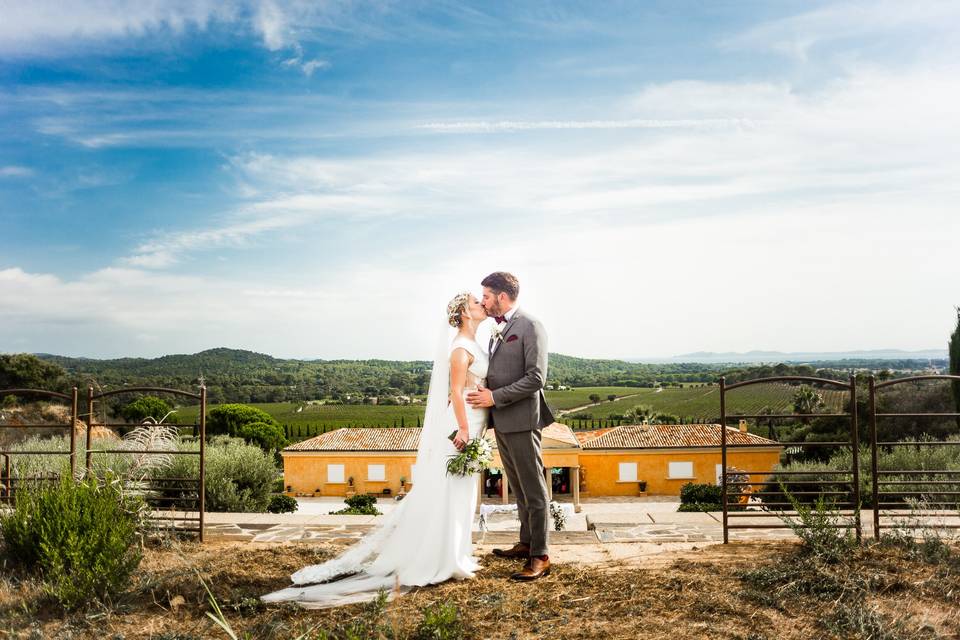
{"x":81,"y":538}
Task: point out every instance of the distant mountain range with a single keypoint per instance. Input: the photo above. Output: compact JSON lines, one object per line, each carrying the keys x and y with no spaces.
{"x":800,"y":356}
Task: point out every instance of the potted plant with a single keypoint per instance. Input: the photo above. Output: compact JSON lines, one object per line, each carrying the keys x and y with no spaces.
{"x":642,"y":485}
{"x":403,"y":485}
{"x":350,"y":489}
{"x":316,"y":492}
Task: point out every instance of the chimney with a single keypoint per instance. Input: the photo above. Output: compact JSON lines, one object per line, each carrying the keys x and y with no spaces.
{"x":743,"y":426}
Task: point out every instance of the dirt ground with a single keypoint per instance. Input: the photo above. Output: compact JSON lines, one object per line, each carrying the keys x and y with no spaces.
{"x":684,"y":593}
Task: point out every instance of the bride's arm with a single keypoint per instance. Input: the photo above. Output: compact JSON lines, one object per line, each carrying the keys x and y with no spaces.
{"x":459,"y":362}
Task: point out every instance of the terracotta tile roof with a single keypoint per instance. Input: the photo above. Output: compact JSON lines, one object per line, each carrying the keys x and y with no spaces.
{"x":561,"y":433}
{"x":586,"y":436}
{"x":670,"y":435}
{"x":362,"y":439}
{"x":404,"y":439}
{"x":556,"y":432}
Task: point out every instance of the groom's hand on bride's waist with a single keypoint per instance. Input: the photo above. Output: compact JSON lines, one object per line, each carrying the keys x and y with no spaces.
{"x":480,"y":398}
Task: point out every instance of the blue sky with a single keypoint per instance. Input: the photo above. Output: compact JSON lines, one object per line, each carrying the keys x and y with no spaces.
{"x":317,"y":179}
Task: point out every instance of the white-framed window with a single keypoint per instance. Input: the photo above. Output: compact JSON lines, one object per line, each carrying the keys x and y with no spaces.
{"x":628,"y":472}
{"x":719,"y":474}
{"x":335,"y":473}
{"x":376,"y":472}
{"x":680,"y":470}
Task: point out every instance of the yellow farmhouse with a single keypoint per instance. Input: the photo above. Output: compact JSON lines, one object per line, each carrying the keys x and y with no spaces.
{"x":622,"y":461}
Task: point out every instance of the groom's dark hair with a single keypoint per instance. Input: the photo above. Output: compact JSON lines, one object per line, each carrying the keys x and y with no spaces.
{"x":503,"y":282}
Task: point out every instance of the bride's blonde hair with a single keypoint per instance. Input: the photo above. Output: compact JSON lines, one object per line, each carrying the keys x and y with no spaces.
{"x":456,"y":307}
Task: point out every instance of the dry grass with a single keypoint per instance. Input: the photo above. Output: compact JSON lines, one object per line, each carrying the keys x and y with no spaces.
{"x":708,"y":593}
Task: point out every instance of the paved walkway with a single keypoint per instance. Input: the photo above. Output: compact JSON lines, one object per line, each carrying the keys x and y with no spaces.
{"x":606,"y":521}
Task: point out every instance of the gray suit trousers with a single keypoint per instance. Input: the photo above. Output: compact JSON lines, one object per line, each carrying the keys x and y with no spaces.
{"x":523,"y":463}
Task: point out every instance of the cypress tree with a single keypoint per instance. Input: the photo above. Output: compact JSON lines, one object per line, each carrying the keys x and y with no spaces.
{"x":955,"y":362}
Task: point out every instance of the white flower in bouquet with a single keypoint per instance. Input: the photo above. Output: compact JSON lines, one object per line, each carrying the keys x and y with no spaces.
{"x":475,"y":457}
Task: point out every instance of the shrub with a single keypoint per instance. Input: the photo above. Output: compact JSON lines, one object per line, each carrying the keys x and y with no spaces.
{"x":146,"y":407}
{"x":359,"y":505}
{"x":282,"y":504}
{"x":239,"y":476}
{"x":80,"y":537}
{"x":693,"y":492}
{"x":888,"y":459}
{"x":265,"y":435}
{"x":226,"y":419}
{"x":441,"y":621}
{"x":819,"y":530}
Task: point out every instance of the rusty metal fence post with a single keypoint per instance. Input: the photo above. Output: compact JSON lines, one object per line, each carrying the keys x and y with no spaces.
{"x":88,"y":464}
{"x":855,"y":448}
{"x":874,"y":462}
{"x":73,"y":433}
{"x":203,"y":457}
{"x":723,"y":457}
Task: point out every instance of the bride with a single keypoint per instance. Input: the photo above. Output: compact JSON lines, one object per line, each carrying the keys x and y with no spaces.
{"x":426,"y":539}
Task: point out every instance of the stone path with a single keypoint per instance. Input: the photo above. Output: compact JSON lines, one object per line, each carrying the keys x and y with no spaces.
{"x":606,"y":526}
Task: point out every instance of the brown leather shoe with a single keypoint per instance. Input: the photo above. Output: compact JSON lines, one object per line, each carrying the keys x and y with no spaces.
{"x":534,"y":569}
{"x":518,"y":550}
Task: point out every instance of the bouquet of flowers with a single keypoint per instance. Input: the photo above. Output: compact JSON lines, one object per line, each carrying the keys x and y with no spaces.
{"x":474,"y":458}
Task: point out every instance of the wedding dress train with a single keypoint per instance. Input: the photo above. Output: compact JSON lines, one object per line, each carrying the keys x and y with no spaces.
{"x":426,"y":539}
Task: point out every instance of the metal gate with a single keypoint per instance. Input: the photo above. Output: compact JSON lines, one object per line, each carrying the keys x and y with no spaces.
{"x":912,"y":498}
{"x":9,"y":483}
{"x":738,"y":485}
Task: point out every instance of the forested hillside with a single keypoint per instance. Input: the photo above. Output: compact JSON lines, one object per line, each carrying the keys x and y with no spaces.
{"x":234,"y":375}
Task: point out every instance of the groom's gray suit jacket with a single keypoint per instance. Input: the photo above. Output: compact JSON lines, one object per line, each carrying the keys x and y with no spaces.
{"x":517,"y":374}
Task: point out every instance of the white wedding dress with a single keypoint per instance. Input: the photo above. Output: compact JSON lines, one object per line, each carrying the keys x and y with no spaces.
{"x":426,"y":539}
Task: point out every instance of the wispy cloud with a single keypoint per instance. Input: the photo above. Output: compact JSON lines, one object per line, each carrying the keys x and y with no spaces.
{"x":51,"y":28}
{"x":878,"y":132}
{"x":509,"y":126}
{"x":796,"y":35}
{"x":15,"y":171}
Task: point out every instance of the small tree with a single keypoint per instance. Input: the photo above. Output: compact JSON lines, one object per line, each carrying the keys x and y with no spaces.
{"x":594,"y":398}
{"x":640,"y":414}
{"x":228,"y":418}
{"x":611,"y":397}
{"x":807,"y":400}
{"x":268,"y":437}
{"x":146,"y":407}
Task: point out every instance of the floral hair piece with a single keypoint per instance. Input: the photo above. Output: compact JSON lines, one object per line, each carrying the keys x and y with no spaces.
{"x":455,"y":307}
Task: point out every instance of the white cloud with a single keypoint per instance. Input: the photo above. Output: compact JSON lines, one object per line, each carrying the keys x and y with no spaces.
{"x":306,"y":66}
{"x":796,"y":35}
{"x":15,"y":171}
{"x":271,"y":22}
{"x":508,"y":126}
{"x":52,"y":28}
{"x":877,"y":132}
{"x":45,"y":26}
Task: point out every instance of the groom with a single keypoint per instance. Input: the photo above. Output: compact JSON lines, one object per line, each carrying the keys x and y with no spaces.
{"x":518,"y":370}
